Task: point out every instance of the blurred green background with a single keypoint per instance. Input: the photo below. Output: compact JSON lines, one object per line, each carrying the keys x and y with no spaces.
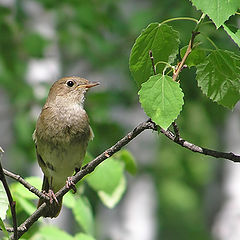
{"x":43,"y":40}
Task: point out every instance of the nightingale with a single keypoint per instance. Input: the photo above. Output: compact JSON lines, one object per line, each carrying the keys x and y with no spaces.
{"x":61,"y":137}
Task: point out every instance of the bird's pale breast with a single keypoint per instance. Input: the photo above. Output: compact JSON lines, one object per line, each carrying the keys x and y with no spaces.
{"x":61,"y":139}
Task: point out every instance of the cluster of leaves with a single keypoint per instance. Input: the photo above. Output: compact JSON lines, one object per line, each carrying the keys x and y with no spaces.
{"x":217,"y":70}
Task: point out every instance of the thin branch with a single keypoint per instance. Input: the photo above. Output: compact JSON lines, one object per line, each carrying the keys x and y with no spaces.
{"x":194,"y":148}
{"x":195,"y":32}
{"x":176,"y":131}
{"x":152,"y":61}
{"x":10,"y":199}
{"x":189,"y":49}
{"x":26,"y":184}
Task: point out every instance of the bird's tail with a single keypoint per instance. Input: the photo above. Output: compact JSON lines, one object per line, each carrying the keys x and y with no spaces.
{"x":53,"y":209}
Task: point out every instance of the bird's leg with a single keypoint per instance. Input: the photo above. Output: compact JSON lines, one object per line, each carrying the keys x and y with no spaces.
{"x":70,"y":183}
{"x":51,"y":194}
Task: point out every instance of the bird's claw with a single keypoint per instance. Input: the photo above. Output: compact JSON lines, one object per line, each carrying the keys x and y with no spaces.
{"x":52,"y":196}
{"x":71,"y":184}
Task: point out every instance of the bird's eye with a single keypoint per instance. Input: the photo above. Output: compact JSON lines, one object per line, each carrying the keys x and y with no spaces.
{"x":70,"y":83}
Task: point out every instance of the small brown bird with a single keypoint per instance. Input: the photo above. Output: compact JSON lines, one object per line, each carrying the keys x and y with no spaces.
{"x":61,"y":137}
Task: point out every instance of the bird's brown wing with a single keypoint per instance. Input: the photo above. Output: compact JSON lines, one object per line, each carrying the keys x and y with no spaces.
{"x":53,"y":209}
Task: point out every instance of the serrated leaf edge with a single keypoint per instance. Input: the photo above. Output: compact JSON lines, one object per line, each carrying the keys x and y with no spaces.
{"x":204,"y":63}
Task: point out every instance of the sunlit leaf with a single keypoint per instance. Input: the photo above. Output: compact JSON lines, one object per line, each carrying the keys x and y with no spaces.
{"x":128,"y":159}
{"x":111,"y":200}
{"x":20,"y":190}
{"x":106,"y":176}
{"x":218,"y":10}
{"x":235,"y":35}
{"x":3,"y":202}
{"x":162,"y":99}
{"x":83,"y":214}
{"x":51,"y":233}
{"x":69,"y":200}
{"x":83,"y":236}
{"x":2,"y":226}
{"x":26,"y":205}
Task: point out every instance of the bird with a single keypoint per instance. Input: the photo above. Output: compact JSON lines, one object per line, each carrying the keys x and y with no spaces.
{"x":61,"y":137}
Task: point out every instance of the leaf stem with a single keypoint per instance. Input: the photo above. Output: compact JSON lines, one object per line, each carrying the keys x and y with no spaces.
{"x":190,"y":46}
{"x":210,"y":40}
{"x":180,"y":18}
{"x":199,"y":22}
{"x":166,"y":63}
{"x":189,"y":49}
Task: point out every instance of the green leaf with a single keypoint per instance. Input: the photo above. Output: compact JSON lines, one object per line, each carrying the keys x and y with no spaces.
{"x":4,"y":229}
{"x":20,"y":190}
{"x":69,"y":200}
{"x":106,"y":176}
{"x":196,"y":56}
{"x":235,"y":35}
{"x":219,"y":77}
{"x":128,"y":159}
{"x":3,"y":202}
{"x":162,"y":99}
{"x":111,"y":200}
{"x":83,"y":214}
{"x":51,"y":233}
{"x":26,"y":205}
{"x":162,"y":40}
{"x":218,"y":10}
{"x":83,"y":236}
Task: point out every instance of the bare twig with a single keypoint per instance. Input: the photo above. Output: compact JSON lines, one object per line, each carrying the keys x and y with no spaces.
{"x":26,"y":184}
{"x":152,"y":61}
{"x":194,"y":148}
{"x":10,"y":199}
{"x":176,"y":131}
{"x":189,"y":49}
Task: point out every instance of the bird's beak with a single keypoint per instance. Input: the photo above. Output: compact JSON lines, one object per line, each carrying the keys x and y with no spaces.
{"x":89,"y":85}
